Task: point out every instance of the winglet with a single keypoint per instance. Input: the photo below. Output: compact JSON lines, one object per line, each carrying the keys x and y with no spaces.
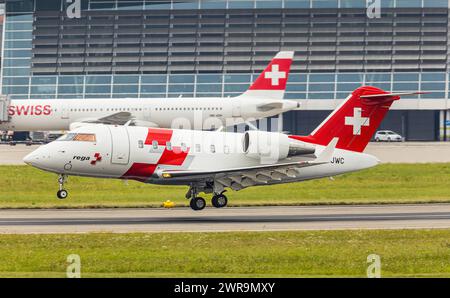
{"x":327,"y":153}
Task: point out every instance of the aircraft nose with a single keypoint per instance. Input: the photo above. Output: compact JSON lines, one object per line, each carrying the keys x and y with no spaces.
{"x":29,"y":158}
{"x":37,"y":158}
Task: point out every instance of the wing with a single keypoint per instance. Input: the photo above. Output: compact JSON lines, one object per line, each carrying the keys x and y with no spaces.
{"x":239,"y":178}
{"x":119,"y":118}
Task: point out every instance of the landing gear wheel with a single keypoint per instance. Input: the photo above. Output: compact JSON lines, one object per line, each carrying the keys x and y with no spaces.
{"x":219,"y":201}
{"x":198,"y":203}
{"x":62,"y":194}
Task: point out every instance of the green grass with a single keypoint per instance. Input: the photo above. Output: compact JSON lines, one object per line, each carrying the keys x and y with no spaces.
{"x":26,"y":187}
{"x":239,"y":254}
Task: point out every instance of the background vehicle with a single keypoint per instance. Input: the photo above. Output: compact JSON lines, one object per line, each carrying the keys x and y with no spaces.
{"x":387,"y":136}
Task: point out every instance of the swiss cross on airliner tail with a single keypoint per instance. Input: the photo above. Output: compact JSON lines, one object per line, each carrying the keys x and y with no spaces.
{"x":275,"y":76}
{"x":97,"y":158}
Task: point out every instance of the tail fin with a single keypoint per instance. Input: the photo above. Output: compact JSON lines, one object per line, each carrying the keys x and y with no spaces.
{"x":355,"y":120}
{"x":271,"y":83}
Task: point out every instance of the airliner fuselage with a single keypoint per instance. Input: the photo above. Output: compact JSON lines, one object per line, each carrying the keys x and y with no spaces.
{"x":193,"y":113}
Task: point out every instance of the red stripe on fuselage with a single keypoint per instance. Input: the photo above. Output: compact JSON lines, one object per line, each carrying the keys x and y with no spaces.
{"x":140,"y":171}
{"x":175,"y":157}
{"x":162,"y":136}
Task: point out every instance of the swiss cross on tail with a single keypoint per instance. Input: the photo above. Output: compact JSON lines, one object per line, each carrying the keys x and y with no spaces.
{"x":355,"y":120}
{"x":274,"y":75}
{"x":271,"y":83}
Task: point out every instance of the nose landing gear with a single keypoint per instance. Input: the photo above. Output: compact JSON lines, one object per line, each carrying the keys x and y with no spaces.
{"x":62,"y":193}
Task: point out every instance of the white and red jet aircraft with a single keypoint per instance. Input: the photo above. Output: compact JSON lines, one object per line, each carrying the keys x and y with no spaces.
{"x":263,"y":99}
{"x":210,"y":161}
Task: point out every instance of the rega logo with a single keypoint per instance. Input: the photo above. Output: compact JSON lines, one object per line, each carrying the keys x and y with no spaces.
{"x":81,"y":158}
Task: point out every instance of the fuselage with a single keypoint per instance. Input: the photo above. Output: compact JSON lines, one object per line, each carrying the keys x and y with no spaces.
{"x":187,"y":113}
{"x":144,"y":154}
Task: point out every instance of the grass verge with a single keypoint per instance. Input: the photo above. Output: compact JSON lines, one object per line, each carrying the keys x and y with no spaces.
{"x":417,"y":253}
{"x":26,"y":187}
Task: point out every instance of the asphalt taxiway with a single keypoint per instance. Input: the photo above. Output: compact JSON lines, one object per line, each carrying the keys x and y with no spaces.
{"x":226,"y":219}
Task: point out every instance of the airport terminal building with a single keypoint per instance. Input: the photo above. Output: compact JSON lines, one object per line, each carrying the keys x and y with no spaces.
{"x":163,"y":48}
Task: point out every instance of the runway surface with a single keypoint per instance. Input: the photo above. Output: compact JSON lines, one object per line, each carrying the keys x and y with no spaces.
{"x":227,"y":219}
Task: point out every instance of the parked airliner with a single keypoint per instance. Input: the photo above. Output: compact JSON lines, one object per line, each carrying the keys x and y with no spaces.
{"x":263,"y":99}
{"x":212,"y":161}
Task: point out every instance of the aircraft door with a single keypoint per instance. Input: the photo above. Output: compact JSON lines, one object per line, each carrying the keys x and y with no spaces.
{"x":120,"y":145}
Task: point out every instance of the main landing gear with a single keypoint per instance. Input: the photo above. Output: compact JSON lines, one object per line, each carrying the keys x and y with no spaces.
{"x":198,"y":203}
{"x":62,"y":193}
{"x":219,"y":200}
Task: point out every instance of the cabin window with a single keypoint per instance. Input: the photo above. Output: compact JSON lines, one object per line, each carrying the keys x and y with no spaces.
{"x":213,"y":149}
{"x":169,"y":146}
{"x":183,"y":147}
{"x":141,"y":144}
{"x":155,"y":144}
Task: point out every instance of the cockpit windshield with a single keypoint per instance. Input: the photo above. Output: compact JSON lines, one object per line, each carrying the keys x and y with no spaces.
{"x":79,"y":137}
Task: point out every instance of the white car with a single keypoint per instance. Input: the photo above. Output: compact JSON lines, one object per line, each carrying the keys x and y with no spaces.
{"x":387,"y":136}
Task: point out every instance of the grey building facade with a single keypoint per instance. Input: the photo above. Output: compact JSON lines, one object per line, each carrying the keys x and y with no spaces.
{"x":146,"y":48}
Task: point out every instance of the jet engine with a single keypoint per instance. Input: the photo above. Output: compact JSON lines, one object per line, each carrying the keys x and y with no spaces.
{"x":274,"y":146}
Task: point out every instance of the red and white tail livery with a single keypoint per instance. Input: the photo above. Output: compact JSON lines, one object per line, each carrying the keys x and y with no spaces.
{"x":355,"y":121}
{"x":271,"y":83}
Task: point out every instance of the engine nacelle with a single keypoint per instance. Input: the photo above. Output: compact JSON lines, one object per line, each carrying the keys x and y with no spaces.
{"x":273,"y":146}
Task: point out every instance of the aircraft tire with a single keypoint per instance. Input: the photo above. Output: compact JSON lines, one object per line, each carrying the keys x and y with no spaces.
{"x":219,"y":201}
{"x":198,"y":203}
{"x":62,"y":194}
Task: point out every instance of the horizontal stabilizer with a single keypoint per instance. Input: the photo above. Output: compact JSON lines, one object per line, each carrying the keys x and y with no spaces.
{"x":270,"y":106}
{"x":392,"y":94}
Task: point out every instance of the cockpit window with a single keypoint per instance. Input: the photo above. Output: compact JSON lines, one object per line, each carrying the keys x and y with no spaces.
{"x":67,"y":137}
{"x":79,"y":137}
{"x":84,"y":137}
